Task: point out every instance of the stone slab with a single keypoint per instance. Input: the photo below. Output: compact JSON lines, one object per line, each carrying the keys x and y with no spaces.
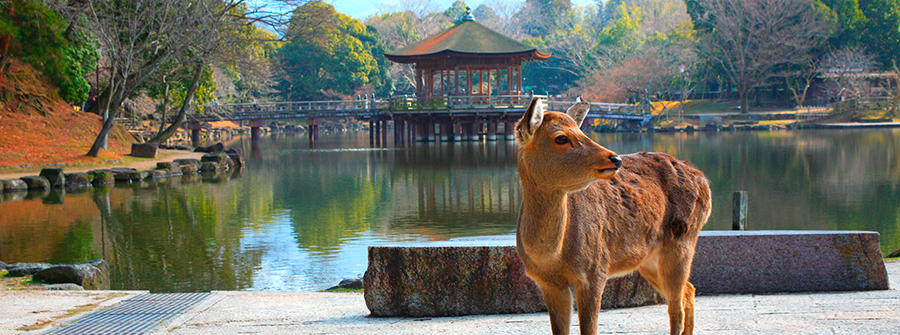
{"x":744,"y":262}
{"x":461,"y":277}
{"x":485,"y":276}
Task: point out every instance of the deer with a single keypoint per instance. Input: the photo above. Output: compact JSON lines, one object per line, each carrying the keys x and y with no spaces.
{"x":589,"y":214}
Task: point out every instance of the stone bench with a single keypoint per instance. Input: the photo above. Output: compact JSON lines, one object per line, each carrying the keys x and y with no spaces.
{"x":485,"y":276}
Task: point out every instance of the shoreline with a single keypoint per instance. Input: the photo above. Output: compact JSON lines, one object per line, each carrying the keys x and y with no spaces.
{"x":163,"y":155}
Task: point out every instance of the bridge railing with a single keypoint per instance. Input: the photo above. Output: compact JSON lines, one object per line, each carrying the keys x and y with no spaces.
{"x":309,"y":106}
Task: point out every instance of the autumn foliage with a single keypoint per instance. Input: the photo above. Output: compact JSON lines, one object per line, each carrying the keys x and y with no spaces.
{"x":38,"y":127}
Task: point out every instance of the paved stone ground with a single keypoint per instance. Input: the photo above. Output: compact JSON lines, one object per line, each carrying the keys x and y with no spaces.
{"x":873,"y":312}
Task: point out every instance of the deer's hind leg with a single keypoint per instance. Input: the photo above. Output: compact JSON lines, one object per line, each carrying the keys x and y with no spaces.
{"x":669,"y":275}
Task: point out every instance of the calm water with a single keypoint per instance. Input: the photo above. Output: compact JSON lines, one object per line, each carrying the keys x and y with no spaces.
{"x":300,"y":218}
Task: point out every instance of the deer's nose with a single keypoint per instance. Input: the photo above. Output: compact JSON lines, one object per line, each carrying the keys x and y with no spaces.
{"x":616,"y":161}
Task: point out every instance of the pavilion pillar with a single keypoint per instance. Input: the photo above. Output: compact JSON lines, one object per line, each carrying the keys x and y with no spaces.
{"x":457,"y":132}
{"x":398,"y":131}
{"x":446,"y":131}
{"x":492,"y":130}
{"x":510,"y":130}
{"x":420,"y":135}
{"x":470,"y":131}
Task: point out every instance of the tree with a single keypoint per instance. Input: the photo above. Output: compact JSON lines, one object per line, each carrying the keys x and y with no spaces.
{"x":750,"y":39}
{"x":327,"y":54}
{"x":58,"y":46}
{"x":882,"y":30}
{"x":141,"y":38}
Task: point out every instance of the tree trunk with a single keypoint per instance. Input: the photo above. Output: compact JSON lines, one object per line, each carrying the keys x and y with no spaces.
{"x":179,"y":119}
{"x":114,"y":99}
{"x":165,"y":108}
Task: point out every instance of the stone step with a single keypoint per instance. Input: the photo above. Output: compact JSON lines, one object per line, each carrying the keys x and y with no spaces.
{"x":485,"y":276}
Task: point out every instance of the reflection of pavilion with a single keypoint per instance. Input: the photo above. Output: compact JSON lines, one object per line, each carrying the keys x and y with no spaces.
{"x":466,"y":77}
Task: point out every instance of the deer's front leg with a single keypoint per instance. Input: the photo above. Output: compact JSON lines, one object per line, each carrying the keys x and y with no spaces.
{"x":588,"y":297}
{"x":559,"y":304}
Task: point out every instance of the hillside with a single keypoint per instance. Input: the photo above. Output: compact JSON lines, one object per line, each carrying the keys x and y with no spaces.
{"x":38,"y":128}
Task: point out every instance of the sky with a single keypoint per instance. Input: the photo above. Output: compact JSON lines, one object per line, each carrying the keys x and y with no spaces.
{"x":360,"y":9}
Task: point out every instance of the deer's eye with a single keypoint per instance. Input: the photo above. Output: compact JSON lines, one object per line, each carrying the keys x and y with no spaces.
{"x":562,"y":139}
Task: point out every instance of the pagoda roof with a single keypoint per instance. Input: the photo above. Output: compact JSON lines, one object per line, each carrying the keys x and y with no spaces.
{"x":465,"y":38}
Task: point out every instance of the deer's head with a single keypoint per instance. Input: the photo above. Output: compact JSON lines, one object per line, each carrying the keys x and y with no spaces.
{"x":555,"y":154}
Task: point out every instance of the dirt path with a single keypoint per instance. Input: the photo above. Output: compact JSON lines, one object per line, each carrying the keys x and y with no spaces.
{"x":132,"y":162}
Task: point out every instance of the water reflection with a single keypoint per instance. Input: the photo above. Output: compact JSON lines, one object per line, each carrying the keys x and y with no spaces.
{"x":301,"y":218}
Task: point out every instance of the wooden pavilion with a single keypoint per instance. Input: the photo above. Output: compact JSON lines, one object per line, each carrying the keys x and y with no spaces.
{"x":468,"y":64}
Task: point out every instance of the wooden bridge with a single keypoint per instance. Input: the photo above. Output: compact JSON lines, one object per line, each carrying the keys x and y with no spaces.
{"x":414,"y":118}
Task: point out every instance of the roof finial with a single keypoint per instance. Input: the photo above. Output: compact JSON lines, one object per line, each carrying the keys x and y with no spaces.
{"x":468,"y":16}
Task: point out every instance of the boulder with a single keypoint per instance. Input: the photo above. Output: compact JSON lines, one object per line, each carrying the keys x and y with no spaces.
{"x":219,"y":158}
{"x":101,"y":177}
{"x":25,"y":269}
{"x":128,"y":174}
{"x":88,"y":275}
{"x":218,"y":147}
{"x":349,"y":283}
{"x":55,"y":177}
{"x":78,"y":180}
{"x":171,"y":168}
{"x":212,"y":167}
{"x":189,"y":165}
{"x":157,"y":174}
{"x":147,"y":150}
{"x":14,"y":185}
{"x":36,"y":182}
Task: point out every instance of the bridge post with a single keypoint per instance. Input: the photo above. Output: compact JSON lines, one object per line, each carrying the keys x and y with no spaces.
{"x":384,"y":131}
{"x":510,"y":129}
{"x":195,"y":133}
{"x":313,"y":129}
{"x":254,"y":129}
{"x":372,"y":126}
{"x":587,"y":124}
{"x":492,"y":130}
{"x":457,"y":132}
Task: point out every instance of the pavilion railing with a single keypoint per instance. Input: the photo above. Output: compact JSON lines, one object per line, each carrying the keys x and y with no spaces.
{"x":425,"y":104}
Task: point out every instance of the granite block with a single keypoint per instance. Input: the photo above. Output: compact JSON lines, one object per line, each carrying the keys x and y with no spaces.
{"x":459,"y":279}
{"x":745,"y":262}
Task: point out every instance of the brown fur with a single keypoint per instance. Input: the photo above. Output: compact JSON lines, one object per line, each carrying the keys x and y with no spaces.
{"x":583,"y":222}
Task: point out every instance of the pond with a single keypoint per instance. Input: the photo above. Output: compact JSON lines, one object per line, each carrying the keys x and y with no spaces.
{"x":300,"y":217}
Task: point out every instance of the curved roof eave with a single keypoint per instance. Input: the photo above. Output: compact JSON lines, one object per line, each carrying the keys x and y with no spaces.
{"x":530,"y":54}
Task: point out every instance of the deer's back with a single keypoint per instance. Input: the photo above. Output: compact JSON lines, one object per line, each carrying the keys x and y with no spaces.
{"x":653,"y":198}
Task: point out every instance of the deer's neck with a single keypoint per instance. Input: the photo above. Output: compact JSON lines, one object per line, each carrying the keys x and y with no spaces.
{"x":542,"y":224}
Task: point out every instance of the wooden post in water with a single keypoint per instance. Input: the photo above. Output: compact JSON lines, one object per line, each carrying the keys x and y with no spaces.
{"x":739,"y":211}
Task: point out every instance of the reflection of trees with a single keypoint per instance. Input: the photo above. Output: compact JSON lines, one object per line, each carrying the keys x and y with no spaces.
{"x":182,"y":238}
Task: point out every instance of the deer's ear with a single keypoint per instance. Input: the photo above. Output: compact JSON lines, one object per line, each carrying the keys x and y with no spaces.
{"x":530,"y":122}
{"x":578,"y":111}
